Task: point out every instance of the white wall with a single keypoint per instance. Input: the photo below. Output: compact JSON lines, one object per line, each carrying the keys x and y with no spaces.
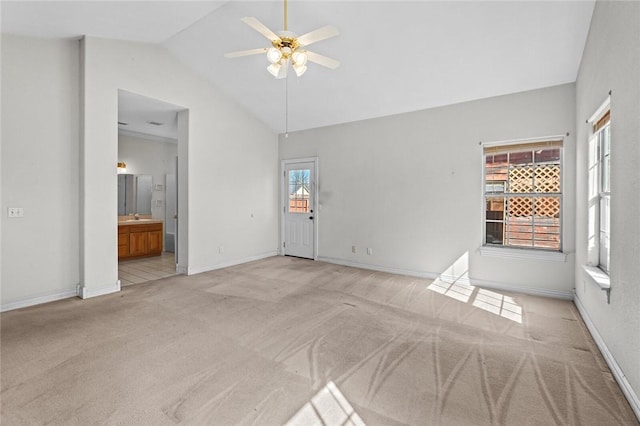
{"x":40,"y":152}
{"x":59,"y":156}
{"x":410,"y":186}
{"x":611,"y":61}
{"x":230,"y":161}
{"x":149,"y":156}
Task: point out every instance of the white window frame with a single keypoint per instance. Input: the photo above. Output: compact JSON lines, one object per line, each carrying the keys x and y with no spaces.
{"x":599,"y":255}
{"x":523,"y":252}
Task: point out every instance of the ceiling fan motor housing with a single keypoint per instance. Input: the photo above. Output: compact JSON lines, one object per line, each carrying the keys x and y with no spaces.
{"x":287,"y":44}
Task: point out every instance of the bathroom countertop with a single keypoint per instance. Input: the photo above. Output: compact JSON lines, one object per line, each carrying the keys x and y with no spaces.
{"x":139,"y":221}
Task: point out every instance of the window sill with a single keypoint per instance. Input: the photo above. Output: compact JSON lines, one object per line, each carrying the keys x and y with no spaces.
{"x":514,"y":253}
{"x":598,"y":277}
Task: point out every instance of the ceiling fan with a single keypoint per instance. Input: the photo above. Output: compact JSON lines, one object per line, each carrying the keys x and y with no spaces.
{"x":287,"y":48}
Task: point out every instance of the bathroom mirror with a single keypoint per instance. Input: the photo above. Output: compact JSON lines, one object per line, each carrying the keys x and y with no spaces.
{"x":134,"y":194}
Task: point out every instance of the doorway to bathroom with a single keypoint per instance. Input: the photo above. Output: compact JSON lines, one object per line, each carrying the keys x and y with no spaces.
{"x":148,"y":142}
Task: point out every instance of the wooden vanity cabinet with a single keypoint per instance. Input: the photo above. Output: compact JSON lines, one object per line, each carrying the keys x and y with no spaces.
{"x":123,"y":241}
{"x":155,"y":241}
{"x":139,"y":240}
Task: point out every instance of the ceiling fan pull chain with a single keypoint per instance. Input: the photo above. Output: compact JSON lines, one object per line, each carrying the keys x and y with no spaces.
{"x":286,"y":107}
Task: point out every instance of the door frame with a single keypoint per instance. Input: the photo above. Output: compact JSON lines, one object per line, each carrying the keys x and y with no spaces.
{"x":283,"y":192}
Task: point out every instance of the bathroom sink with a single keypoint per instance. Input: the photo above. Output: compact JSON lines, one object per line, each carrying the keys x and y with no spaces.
{"x":137,"y":220}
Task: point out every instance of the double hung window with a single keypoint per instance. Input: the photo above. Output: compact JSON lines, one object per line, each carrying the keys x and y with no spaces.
{"x":600,"y":187}
{"x":523,"y":195}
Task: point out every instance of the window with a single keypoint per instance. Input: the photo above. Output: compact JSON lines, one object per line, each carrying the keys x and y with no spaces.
{"x":600,"y":187}
{"x":523,"y":195}
{"x":299,"y":191}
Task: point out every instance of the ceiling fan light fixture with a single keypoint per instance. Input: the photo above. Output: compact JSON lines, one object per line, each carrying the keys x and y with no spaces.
{"x":299,"y":69}
{"x":299,"y":58}
{"x":274,"y":55}
{"x":286,"y":51}
{"x":274,"y":69}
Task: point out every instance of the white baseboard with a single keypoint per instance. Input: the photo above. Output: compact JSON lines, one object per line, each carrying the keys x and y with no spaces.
{"x":182,"y":269}
{"x":38,"y":300}
{"x":533,"y":291}
{"x":556,"y":294}
{"x":200,"y":269}
{"x":86,"y":293}
{"x":419,"y":274}
{"x":619,"y":375}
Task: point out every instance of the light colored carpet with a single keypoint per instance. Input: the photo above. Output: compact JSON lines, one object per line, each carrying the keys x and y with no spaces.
{"x":290,"y":340}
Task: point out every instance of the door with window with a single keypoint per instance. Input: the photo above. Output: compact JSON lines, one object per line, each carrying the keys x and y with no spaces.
{"x":299,"y":209}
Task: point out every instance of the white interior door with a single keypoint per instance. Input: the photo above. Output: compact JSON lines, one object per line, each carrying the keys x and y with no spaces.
{"x":299,"y":209}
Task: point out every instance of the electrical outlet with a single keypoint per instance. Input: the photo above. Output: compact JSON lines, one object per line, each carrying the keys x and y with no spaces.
{"x":353,"y":249}
{"x":221,"y":249}
{"x":15,"y":212}
{"x":369,"y":250}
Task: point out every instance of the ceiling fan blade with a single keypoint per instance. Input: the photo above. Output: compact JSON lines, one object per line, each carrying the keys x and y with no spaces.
{"x":282,"y":72}
{"x":322,"y":60}
{"x":260,"y":27}
{"x":318,"y":35}
{"x":239,"y":53}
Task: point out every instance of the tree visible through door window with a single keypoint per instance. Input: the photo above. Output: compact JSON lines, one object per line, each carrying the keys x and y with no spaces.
{"x":523,"y":195}
{"x":299,"y":189}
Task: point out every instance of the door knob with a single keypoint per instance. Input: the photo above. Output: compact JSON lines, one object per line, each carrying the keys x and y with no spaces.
{"x":311,"y":217}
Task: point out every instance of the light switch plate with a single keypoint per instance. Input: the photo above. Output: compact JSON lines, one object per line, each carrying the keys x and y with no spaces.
{"x":15,"y":212}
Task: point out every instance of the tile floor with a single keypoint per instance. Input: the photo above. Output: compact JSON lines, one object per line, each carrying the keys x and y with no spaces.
{"x":138,"y":271}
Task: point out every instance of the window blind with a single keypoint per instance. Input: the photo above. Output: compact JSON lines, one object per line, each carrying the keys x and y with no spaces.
{"x":602,"y":121}
{"x":525,"y":146}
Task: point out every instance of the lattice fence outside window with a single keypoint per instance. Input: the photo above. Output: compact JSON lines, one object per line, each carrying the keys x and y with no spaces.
{"x":523,"y":196}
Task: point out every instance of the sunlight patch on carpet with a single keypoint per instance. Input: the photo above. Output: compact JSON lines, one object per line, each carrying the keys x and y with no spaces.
{"x":327,"y":407}
{"x":455,"y":283}
{"x":498,"y":304}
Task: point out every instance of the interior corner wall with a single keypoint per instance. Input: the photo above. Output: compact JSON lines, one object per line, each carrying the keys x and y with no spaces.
{"x":229,"y":161}
{"x":40,"y":152}
{"x":611,"y":62}
{"x":410,"y":187}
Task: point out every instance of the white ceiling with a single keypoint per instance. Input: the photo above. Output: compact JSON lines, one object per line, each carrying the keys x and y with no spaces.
{"x":143,"y":115}
{"x":147,"y":21}
{"x":396,"y":56}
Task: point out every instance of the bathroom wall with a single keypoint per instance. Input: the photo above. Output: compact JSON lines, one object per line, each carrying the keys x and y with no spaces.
{"x":149,"y":155}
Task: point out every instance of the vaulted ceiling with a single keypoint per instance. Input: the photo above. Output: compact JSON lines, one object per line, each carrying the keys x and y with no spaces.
{"x":395,"y":56}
